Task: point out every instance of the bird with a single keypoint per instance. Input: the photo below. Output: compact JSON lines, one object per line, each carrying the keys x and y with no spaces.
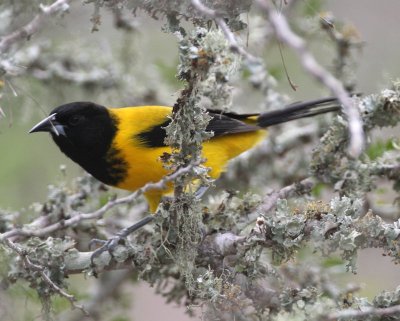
{"x":122,"y":147}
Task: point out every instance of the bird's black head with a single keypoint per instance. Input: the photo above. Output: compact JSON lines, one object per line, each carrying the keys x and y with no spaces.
{"x":84,"y":131}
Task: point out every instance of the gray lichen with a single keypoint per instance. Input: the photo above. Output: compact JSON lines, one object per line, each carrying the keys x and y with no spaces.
{"x":198,"y":253}
{"x":330,"y":163}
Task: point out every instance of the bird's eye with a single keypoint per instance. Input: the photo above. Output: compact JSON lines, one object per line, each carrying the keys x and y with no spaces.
{"x":75,"y":120}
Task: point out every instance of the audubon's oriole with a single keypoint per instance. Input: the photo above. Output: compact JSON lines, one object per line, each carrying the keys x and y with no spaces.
{"x":122,"y":146}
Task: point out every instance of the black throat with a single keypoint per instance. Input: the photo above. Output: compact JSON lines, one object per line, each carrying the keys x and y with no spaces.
{"x":91,"y":146}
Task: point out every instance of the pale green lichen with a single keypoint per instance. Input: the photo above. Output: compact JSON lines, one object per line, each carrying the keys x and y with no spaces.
{"x":354,"y":177}
{"x":205,"y":62}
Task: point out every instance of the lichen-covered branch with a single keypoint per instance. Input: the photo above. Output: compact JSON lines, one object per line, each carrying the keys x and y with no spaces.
{"x":339,"y":226}
{"x":41,"y":226}
{"x":365,"y":314}
{"x":354,"y":176}
{"x":219,"y":20}
{"x":223,"y":256}
{"x":108,"y":288}
{"x":346,"y":39}
{"x":25,"y":32}
{"x":282,"y":29}
{"x":44,"y":274}
{"x":232,"y":254}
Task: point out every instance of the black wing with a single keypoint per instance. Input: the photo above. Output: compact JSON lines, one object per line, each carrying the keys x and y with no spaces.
{"x":220,"y":124}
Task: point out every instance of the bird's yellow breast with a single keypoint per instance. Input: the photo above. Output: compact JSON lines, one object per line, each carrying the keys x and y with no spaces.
{"x":144,"y":164}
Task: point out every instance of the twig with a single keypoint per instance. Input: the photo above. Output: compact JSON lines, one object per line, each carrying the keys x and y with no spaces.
{"x":42,"y":270}
{"x":271,"y":199}
{"x":107,"y":287}
{"x":391,"y":171}
{"x":287,"y":36}
{"x":291,"y":83}
{"x":229,"y":35}
{"x":34,"y":25}
{"x":78,"y":217}
{"x":301,"y":187}
{"x":366,"y":312}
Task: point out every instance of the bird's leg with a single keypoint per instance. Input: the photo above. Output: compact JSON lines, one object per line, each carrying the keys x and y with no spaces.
{"x":111,"y":243}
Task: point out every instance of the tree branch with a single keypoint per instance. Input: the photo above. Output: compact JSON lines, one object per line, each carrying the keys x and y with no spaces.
{"x":269,"y":201}
{"x":361,"y":314}
{"x":230,"y":37}
{"x":298,"y":188}
{"x":34,"y":25}
{"x":42,"y":271}
{"x":287,"y":36}
{"x":33,"y":230}
{"x":107,"y":287}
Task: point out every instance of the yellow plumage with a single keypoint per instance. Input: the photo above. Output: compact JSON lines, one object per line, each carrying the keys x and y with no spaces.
{"x":145,"y":164}
{"x":122,"y":147}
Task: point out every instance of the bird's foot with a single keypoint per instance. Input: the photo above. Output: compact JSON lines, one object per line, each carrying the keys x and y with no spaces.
{"x":120,"y":238}
{"x":201,"y":191}
{"x":106,"y":246}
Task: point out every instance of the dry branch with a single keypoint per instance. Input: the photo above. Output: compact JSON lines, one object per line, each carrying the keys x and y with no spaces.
{"x":283,"y":31}
{"x":365,"y":313}
{"x":34,"y":25}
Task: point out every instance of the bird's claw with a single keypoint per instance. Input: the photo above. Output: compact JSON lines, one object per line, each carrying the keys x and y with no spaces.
{"x":120,"y":238}
{"x":108,"y":246}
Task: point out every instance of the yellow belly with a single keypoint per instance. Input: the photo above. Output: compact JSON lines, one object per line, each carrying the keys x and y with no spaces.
{"x":144,"y":163}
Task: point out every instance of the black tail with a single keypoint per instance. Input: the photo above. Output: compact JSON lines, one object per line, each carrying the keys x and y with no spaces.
{"x":298,"y":110}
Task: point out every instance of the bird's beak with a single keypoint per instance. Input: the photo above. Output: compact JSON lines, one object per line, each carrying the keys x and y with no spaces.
{"x":49,"y":124}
